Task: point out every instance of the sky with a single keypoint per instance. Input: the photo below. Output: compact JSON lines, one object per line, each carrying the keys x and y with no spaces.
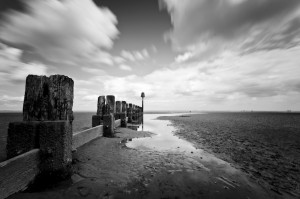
{"x":205,"y":55}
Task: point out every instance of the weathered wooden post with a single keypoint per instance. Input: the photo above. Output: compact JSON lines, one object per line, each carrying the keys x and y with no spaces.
{"x":129,"y":113}
{"x":47,"y":124}
{"x":98,"y":118}
{"x":118,"y":109}
{"x":136,"y":113}
{"x":101,"y":105}
{"x":139,"y":114}
{"x":36,"y":98}
{"x":48,"y":98}
{"x":133,"y":112}
{"x":123,"y":114}
{"x":109,"y":117}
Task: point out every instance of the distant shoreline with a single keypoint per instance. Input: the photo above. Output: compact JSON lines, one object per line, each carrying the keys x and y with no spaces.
{"x":169,"y":112}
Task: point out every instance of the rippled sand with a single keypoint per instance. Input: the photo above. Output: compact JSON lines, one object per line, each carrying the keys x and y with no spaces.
{"x":264,"y":145}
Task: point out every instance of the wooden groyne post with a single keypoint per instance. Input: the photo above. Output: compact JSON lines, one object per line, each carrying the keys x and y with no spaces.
{"x":129,"y":113}
{"x":41,"y":145}
{"x":118,"y":109}
{"x":39,"y":149}
{"x":133,"y":112}
{"x":47,"y":122}
{"x":109,"y":117}
{"x":98,"y":118}
{"x":123,"y":114}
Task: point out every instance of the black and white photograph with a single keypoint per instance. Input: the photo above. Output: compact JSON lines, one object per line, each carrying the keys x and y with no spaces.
{"x":150,"y":99}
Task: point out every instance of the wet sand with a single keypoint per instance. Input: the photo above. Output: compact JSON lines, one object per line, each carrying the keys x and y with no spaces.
{"x":266,"y":146}
{"x":107,"y":168}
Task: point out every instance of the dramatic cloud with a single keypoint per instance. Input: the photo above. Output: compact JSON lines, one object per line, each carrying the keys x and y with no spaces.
{"x":12,"y":70}
{"x":62,"y":31}
{"x":242,"y":25}
{"x":231,"y":82}
{"x":94,"y":71}
{"x":135,"y":55}
{"x":125,"y":67}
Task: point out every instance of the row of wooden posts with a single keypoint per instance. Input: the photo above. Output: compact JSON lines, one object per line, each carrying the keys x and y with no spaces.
{"x":109,"y":110}
{"x":46,"y":130}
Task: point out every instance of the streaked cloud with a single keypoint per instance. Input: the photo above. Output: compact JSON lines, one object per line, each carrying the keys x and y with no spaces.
{"x":242,"y":25}
{"x":135,"y":55}
{"x":69,"y":30}
{"x":125,"y":67}
{"x":119,"y":60}
{"x":12,"y":70}
{"x":94,"y":71}
{"x":230,"y":82}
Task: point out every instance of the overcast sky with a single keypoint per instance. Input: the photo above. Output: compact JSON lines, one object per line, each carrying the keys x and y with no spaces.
{"x":184,"y":54}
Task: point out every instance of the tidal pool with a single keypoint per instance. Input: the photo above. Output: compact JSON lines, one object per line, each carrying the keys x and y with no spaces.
{"x":164,"y":138}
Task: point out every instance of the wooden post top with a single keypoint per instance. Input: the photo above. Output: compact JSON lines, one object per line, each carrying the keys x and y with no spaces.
{"x":48,"y":98}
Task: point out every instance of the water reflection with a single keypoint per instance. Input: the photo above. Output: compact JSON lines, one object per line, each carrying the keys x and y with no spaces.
{"x":164,"y":138}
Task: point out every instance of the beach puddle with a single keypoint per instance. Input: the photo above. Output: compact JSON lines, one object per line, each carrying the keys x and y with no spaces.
{"x":164,"y":140}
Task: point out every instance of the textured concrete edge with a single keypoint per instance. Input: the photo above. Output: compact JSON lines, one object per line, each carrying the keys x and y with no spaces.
{"x":17,"y":173}
{"x":88,"y":135}
{"x":118,"y":123}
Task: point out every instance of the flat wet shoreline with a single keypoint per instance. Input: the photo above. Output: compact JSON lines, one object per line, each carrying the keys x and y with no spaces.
{"x":263,"y":145}
{"x":107,"y":168}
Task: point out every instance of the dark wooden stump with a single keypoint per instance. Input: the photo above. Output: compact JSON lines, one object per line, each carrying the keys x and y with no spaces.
{"x":101,"y":106}
{"x":48,"y":98}
{"x":61,"y":97}
{"x":129,"y":113}
{"x":108,"y":125}
{"x":110,"y":101}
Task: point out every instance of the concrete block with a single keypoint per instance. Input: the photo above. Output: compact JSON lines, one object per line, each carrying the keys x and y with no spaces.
{"x":86,"y":136}
{"x":108,"y":125}
{"x":56,"y":146}
{"x":96,"y":120}
{"x":117,"y":123}
{"x":22,"y":137}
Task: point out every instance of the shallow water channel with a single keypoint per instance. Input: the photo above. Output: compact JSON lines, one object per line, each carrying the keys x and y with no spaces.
{"x":164,"y":139}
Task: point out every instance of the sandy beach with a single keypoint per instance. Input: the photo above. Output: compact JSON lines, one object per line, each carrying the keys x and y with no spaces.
{"x":107,"y":168}
{"x":263,"y":145}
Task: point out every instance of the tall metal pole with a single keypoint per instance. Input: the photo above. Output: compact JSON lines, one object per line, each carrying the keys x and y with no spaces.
{"x":142,"y":95}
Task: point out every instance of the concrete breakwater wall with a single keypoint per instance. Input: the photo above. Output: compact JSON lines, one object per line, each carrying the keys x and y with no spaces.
{"x":41,"y":146}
